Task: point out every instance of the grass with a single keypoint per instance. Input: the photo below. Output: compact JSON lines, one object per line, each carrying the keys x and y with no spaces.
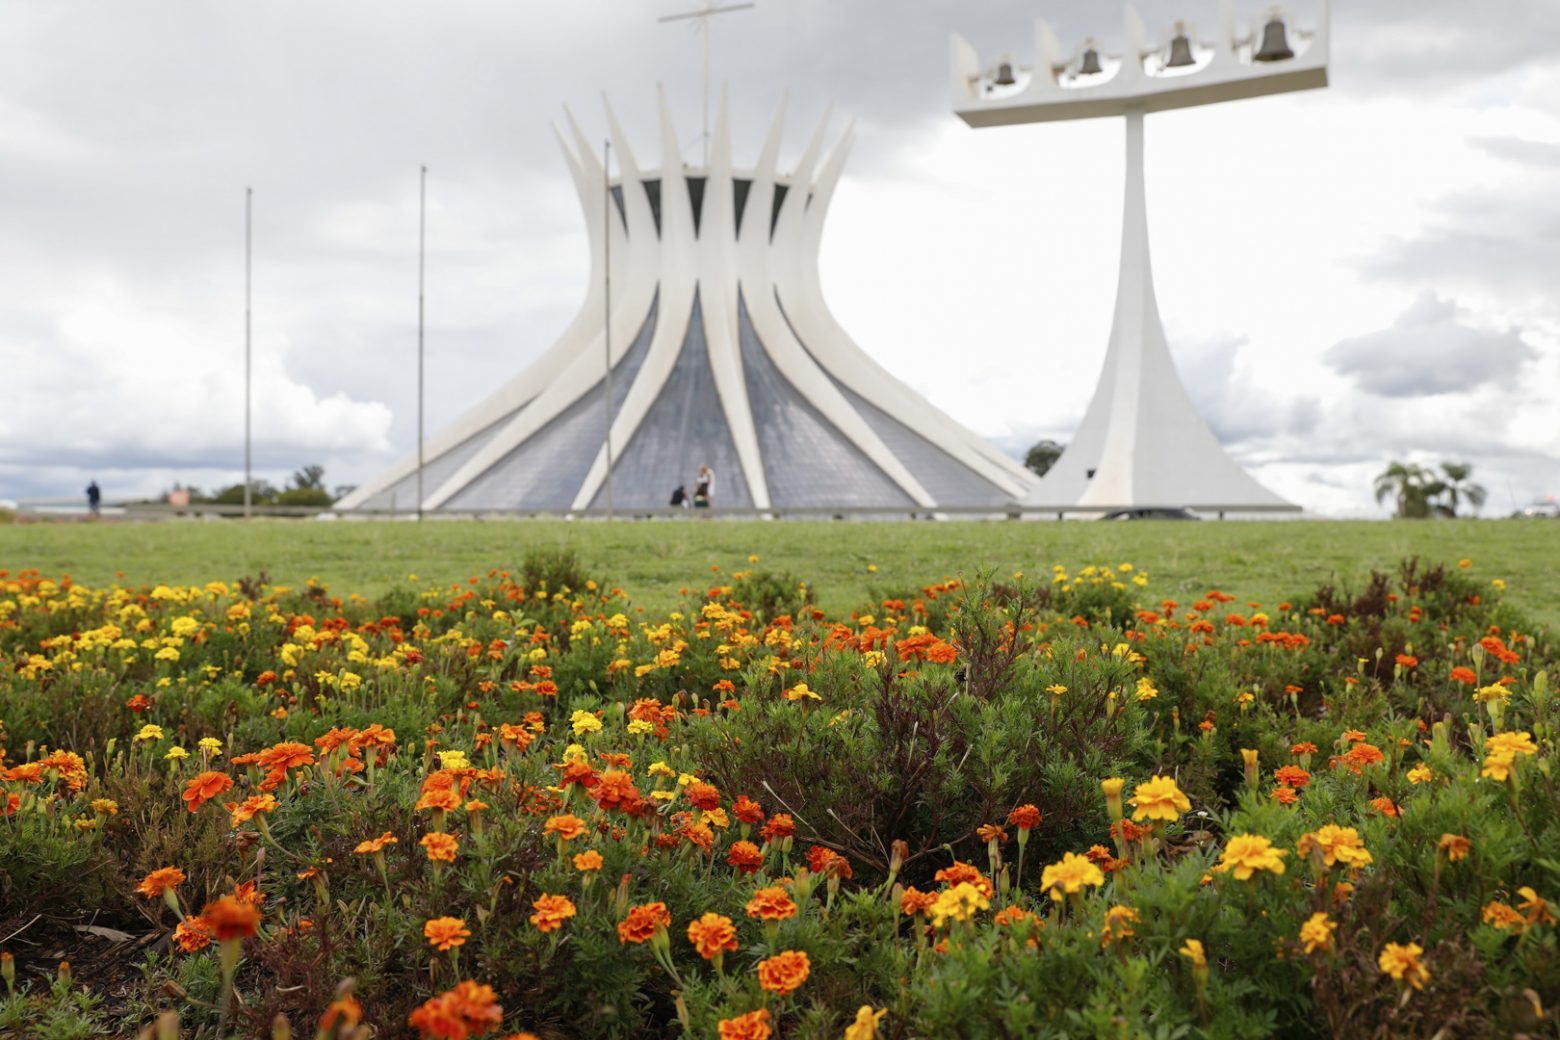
{"x":653,"y":560}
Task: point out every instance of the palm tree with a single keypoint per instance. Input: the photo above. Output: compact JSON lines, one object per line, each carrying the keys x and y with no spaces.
{"x":1457,"y":487}
{"x":1412,"y":485}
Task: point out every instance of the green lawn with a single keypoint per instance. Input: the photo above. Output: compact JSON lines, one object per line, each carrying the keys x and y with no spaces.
{"x":652,"y":560}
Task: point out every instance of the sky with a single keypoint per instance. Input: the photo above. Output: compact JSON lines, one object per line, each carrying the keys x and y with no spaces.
{"x":1347,"y":276}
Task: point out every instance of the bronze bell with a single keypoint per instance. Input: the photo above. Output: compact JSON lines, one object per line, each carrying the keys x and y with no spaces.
{"x":1005,"y":75}
{"x":1180,"y":53}
{"x":1090,"y":66}
{"x":1275,"y":42}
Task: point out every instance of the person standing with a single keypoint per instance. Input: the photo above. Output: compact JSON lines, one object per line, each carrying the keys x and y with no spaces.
{"x":704,"y":487}
{"x":94,"y":498}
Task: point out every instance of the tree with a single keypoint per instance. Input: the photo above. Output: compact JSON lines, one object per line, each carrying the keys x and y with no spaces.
{"x":307,"y":489}
{"x":1420,"y":491}
{"x":1411,"y":485}
{"x":310,"y":478}
{"x":1457,"y":487}
{"x":1043,"y":456}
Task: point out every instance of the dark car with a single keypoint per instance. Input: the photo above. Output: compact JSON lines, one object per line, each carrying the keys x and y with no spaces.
{"x":1151,"y":514}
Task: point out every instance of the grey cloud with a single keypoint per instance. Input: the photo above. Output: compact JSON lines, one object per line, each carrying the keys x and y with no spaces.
{"x":1241,"y":414}
{"x":1427,"y":350}
{"x":1521,"y":150}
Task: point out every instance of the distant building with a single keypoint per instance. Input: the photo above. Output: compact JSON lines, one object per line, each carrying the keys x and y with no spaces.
{"x":722,"y":352}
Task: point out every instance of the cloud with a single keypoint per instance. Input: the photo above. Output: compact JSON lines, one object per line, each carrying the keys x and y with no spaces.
{"x":1429,"y":351}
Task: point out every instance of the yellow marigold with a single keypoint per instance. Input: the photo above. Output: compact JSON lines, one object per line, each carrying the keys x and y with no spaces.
{"x":1337,"y":845}
{"x":1193,"y":951}
{"x":1118,"y":925}
{"x":1245,"y":854}
{"x":865,"y":1027}
{"x":1501,"y":751}
{"x":1402,"y":963}
{"x":960,"y":903}
{"x":1420,"y":774}
{"x":1159,"y":799}
{"x":1070,"y":875}
{"x":1317,"y":931}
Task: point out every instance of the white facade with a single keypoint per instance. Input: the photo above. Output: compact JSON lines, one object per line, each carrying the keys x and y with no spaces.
{"x":722,"y":352}
{"x":1141,"y":443}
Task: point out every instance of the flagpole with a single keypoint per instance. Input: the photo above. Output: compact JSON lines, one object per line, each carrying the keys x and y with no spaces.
{"x":606,"y":237}
{"x":249,"y":196}
{"x":422,"y":252}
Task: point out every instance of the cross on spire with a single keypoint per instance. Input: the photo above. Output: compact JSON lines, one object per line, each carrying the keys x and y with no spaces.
{"x":709,"y":10}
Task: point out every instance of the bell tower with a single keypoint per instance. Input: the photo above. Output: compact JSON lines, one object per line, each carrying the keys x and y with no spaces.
{"x":1141,"y":443}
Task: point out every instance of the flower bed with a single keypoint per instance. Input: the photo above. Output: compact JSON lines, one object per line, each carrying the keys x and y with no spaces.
{"x":1008,"y":807}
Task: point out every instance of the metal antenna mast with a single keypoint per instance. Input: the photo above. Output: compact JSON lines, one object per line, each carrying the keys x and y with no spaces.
{"x":704,"y":14}
{"x":422,"y":253}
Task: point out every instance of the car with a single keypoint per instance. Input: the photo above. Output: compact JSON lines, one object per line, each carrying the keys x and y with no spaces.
{"x":1548,"y":510}
{"x":1155,"y":513}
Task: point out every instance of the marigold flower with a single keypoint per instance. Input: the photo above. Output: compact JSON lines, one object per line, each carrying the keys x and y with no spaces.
{"x":470,"y":1009}
{"x":784,"y":973}
{"x":193,"y":933}
{"x":771,"y":904}
{"x":914,"y":901}
{"x":551,"y":912}
{"x":203,"y":788}
{"x":1455,"y":846}
{"x":1070,"y":875}
{"x":1159,"y":799}
{"x":752,"y":1026}
{"x":1292,"y":776}
{"x":1026,"y":817}
{"x":232,"y":918}
{"x":865,"y":1027}
{"x":643,"y":922}
{"x":1245,"y":854}
{"x":440,"y":847}
{"x":373,"y":845}
{"x":1535,"y":906}
{"x":161,"y":880}
{"x":249,"y":808}
{"x":1502,"y":917}
{"x":702,"y":795}
{"x":712,"y":935}
{"x":959,"y":903}
{"x":1337,"y":845}
{"x":443,"y":933}
{"x":1402,"y":963}
{"x":747,"y":810}
{"x":1316,"y":932}
{"x":1193,"y":951}
{"x":1118,"y":924}
{"x":587,"y":861}
{"x":780,"y":825}
{"x":745,"y":856}
{"x":567,"y":826}
{"x":991,"y":832}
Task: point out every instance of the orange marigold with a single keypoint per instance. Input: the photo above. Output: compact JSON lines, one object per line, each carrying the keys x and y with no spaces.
{"x":193,"y":933}
{"x":551,"y":912}
{"x":232,"y":918}
{"x":373,"y":845}
{"x":643,"y":922}
{"x":567,"y":826}
{"x":771,"y":904}
{"x":441,"y":847}
{"x":203,"y":788}
{"x":752,"y":1026}
{"x":746,"y":810}
{"x":785,"y":972}
{"x":159,"y":881}
{"x":745,"y":856}
{"x":712,"y":935}
{"x":445,"y":932}
{"x":1026,"y":817}
{"x":587,"y":861}
{"x":470,"y":1009}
